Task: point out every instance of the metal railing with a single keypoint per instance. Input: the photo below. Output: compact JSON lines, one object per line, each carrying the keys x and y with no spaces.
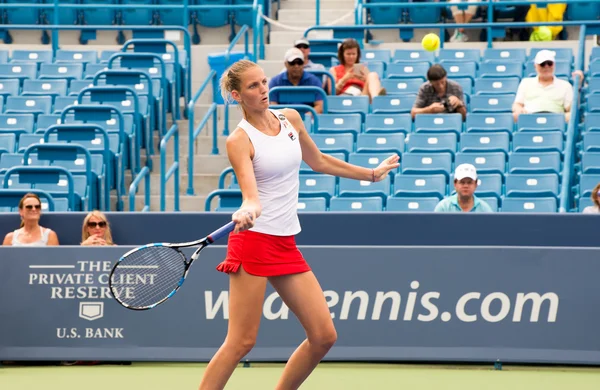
{"x":173,"y":171}
{"x":133,"y":189}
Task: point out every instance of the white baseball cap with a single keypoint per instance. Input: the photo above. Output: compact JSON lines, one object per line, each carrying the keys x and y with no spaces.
{"x":465,"y":170}
{"x":293,"y":54}
{"x":301,"y":41}
{"x":545,"y":55}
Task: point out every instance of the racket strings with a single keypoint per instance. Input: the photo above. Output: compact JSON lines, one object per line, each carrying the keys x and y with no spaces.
{"x":147,"y":276}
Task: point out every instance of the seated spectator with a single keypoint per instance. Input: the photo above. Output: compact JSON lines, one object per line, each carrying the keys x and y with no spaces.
{"x":439,"y":95}
{"x":296,"y":76}
{"x":545,"y":93}
{"x":596,"y":199}
{"x":96,"y":230}
{"x":31,"y":233}
{"x":549,"y":13}
{"x":353,"y":78}
{"x":462,"y":16}
{"x":465,"y":184}
{"x":304,"y":46}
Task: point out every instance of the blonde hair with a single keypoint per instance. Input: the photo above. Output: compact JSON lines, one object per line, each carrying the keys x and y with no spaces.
{"x":22,"y":203}
{"x":595,"y":197}
{"x":231,"y":80}
{"x":84,"y":230}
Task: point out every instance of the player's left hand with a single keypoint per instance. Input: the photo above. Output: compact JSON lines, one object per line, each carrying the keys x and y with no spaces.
{"x":386,"y":166}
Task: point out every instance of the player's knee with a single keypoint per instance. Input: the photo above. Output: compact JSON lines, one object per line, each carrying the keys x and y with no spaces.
{"x":325,"y":339}
{"x":242,"y":345}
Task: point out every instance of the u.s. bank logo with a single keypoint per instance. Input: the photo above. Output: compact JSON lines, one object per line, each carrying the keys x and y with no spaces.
{"x":91,"y":310}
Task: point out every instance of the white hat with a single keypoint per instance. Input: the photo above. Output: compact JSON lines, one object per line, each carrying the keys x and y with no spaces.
{"x":545,"y":55}
{"x":301,"y":41}
{"x":465,"y":170}
{"x":293,"y":54}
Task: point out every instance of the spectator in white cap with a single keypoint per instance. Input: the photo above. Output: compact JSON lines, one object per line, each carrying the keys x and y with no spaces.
{"x":296,"y":76}
{"x":304,"y":45}
{"x":464,"y":200}
{"x":544,"y":93}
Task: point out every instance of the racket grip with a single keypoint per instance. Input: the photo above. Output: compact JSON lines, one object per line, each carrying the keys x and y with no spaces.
{"x":222,"y":231}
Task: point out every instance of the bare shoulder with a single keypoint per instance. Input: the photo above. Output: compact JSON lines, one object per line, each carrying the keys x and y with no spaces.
{"x":294,"y":117}
{"x":8,"y":239}
{"x":237,"y":136}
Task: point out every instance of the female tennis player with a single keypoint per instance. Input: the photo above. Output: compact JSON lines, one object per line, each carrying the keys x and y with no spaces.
{"x":265,"y":151}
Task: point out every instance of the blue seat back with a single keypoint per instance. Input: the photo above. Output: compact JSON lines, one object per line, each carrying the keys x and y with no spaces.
{"x":366,"y":204}
{"x":388,"y":123}
{"x":420,"y":185}
{"x":529,"y":205}
{"x":393,"y":104}
{"x":425,"y":204}
{"x":483,"y":161}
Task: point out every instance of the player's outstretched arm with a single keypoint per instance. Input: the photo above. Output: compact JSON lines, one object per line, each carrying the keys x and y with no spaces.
{"x":320,"y":162}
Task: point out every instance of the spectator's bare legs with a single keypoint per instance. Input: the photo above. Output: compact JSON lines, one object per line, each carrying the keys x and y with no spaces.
{"x":372,"y":86}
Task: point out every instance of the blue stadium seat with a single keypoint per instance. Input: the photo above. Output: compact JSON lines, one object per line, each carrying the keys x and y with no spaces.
{"x":407,"y":55}
{"x":583,"y":203}
{"x":561,"y":69}
{"x":384,"y":15}
{"x":489,"y":122}
{"x":376,"y":55}
{"x":543,"y":122}
{"x":171,"y":17}
{"x":26,"y":140}
{"x":393,"y":104}
{"x":466,"y":84}
{"x":44,"y":88}
{"x":494,"y":203}
{"x":76,"y":56}
{"x":369,"y":160}
{"x":7,"y":143}
{"x":407,"y":70}
{"x":496,"y":86}
{"x":543,"y":141}
{"x":31,"y":56}
{"x":518,"y":55}
{"x":492,"y":104}
{"x":92,"y":69}
{"x":484,"y":162}
{"x":3,"y":56}
{"x":587,"y":182}
{"x":364,"y":188}
{"x":75,"y":86}
{"x":438,"y":123}
{"x":9,"y":87}
{"x":485,"y":142}
{"x":100,"y":15}
{"x":592,"y":103}
{"x":591,"y":142}
{"x":28,"y":105}
{"x":529,"y":205}
{"x":348,"y":105}
{"x":9,"y":160}
{"x":590,"y":162}
{"x":380,"y":143}
{"x":67,"y":71}
{"x":463,"y":70}
{"x":421,"y":163}
{"x":46,"y":120}
{"x":377,"y":67}
{"x":411,"y":204}
{"x":334,"y":143}
{"x":593,"y":85}
{"x":62,"y":102}
{"x":16,"y":123}
{"x":544,"y":162}
{"x":316,"y":204}
{"x":388,"y":123}
{"x":401,"y":86}
{"x":444,"y":142}
{"x":66,"y":16}
{"x":340,"y":123}
{"x":227,"y":200}
{"x":22,"y":15}
{"x":317,"y":185}
{"x":532,"y":185}
{"x":18,"y":71}
{"x":583,"y":11}
{"x":242,"y":16}
{"x":470,"y":55}
{"x":137,"y":16}
{"x":366,"y":204}
{"x":420,"y":185}
{"x":513,"y":70}
{"x":420,"y":15}
{"x":489,"y":185}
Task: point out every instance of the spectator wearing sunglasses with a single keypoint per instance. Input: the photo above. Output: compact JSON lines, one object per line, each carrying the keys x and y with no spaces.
{"x":544,"y":93}
{"x":304,"y":45}
{"x":296,"y":76}
{"x":96,"y":230}
{"x":30,"y":232}
{"x":595,"y":208}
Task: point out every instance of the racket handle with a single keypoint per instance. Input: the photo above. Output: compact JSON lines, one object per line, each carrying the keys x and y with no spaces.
{"x":222,"y":232}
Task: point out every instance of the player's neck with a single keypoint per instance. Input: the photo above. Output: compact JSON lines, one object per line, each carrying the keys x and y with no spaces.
{"x":262,"y":120}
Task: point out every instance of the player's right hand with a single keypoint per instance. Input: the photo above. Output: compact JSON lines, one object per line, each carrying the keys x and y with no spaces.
{"x":244,"y":219}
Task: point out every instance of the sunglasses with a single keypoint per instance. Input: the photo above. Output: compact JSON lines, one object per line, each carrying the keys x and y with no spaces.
{"x":296,"y":63}
{"x":302,"y":46}
{"x":32,"y":206}
{"x":96,"y":224}
{"x":546,"y":63}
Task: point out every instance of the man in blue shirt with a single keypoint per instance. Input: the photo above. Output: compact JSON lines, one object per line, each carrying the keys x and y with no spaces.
{"x":296,"y":76}
{"x":465,"y":184}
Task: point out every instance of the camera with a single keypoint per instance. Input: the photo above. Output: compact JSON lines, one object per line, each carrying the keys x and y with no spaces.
{"x":447,"y":106}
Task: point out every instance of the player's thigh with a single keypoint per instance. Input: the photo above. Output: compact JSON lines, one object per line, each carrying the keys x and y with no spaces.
{"x":246,"y":296}
{"x":302,"y":293}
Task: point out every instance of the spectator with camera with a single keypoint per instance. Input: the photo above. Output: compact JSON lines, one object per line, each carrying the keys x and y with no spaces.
{"x":439,"y":95}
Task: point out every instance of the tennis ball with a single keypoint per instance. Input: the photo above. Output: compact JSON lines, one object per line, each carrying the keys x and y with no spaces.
{"x":430,"y":42}
{"x":542,"y":33}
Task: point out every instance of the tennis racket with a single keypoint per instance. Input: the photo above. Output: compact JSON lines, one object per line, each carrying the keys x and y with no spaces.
{"x":147,"y":276}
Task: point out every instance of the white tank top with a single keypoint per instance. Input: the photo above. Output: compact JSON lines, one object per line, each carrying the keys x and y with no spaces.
{"x":43,"y":241}
{"x":276,"y":165}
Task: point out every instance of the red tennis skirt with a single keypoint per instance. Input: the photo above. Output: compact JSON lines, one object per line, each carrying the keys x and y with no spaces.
{"x":263,"y":254}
